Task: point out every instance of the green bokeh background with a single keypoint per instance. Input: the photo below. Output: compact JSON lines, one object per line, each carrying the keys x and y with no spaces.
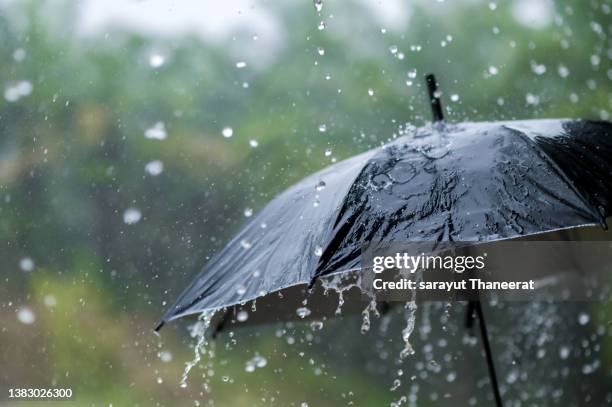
{"x":73,"y":152}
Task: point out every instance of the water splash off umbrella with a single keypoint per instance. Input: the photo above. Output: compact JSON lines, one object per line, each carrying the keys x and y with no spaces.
{"x":444,"y":182}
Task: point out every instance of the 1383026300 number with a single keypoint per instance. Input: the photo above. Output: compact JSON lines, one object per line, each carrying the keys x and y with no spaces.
{"x":40,"y":393}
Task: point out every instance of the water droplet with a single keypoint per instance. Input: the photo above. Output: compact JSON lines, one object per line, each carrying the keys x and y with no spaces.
{"x":322,"y":128}
{"x":248,"y":212}
{"x":318,"y":251}
{"x":321,"y":51}
{"x":19,"y":54}
{"x":26,"y":264}
{"x":246,"y":244}
{"x":131,"y":216}
{"x":165,"y":356}
{"x":328,"y":152}
{"x":564,"y":352}
{"x":241,"y":64}
{"x":493,"y":70}
{"x":321,"y":26}
{"x":583,"y":318}
{"x":320,"y":185}
{"x":412,"y":73}
{"x":242,"y":316}
{"x":253,"y":143}
{"x":318,"y":4}
{"x":50,"y":300}
{"x":563,"y":71}
{"x":303,"y":312}
{"x":454,"y":97}
{"x":227,"y":132}
{"x":16,"y":91}
{"x":393,"y":49}
{"x":26,"y":316}
{"x":371,"y":92}
{"x":538,"y":69}
{"x":532,"y":99}
{"x":316,"y":325}
{"x":154,"y":167}
{"x":157,"y":132}
{"x":156,"y":60}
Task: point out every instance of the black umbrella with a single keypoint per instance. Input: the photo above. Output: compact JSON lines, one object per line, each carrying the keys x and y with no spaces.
{"x":442,"y":182}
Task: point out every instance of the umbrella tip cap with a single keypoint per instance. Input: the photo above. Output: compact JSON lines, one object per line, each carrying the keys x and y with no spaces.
{"x":434,"y":97}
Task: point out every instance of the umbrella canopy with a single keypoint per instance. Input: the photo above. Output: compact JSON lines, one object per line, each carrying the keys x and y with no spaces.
{"x":443,"y":182}
{"x":468,"y":182}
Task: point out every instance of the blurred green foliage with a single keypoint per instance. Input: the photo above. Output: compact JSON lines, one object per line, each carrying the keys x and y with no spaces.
{"x":73,"y":156}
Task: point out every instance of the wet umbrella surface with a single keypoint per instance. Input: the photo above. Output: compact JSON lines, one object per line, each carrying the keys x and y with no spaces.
{"x":467,"y":182}
{"x":443,"y":182}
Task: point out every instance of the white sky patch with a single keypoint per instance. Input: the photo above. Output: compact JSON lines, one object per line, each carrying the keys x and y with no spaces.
{"x":392,"y":14}
{"x":533,"y":13}
{"x":210,"y":20}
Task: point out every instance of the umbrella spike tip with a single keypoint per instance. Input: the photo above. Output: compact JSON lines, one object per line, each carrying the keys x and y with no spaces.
{"x":159,"y":326}
{"x":434,"y":98}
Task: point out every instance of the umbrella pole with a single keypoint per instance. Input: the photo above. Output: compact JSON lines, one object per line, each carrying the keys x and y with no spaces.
{"x":476,"y":306}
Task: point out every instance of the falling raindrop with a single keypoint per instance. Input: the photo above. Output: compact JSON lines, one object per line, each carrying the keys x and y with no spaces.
{"x":316,"y":325}
{"x":19,"y":54}
{"x":563,"y":71}
{"x":412,"y":73}
{"x":156,"y":60}
{"x":248,"y":212}
{"x":26,"y":316}
{"x":16,"y":91}
{"x":532,"y":99}
{"x":493,"y":70}
{"x":50,"y":300}
{"x":538,"y":69}
{"x":242,"y":316}
{"x":303,"y":312}
{"x":154,"y":167}
{"x":227,"y":132}
{"x":156,"y":132}
{"x":583,"y":318}
{"x":454,"y":97}
{"x":564,"y":352}
{"x":371,"y":92}
{"x":393,"y":49}
{"x":322,"y":128}
{"x":318,"y":4}
{"x":320,"y":185}
{"x":321,"y":51}
{"x":131,"y":216}
{"x":246,"y":244}
{"x":321,"y":26}
{"x":26,"y":264}
{"x":241,"y":64}
{"x":253,"y":143}
{"x":165,"y":356}
{"x":328,"y":152}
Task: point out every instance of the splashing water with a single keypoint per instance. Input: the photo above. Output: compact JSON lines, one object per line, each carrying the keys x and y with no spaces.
{"x":198,"y":330}
{"x":371,"y":307}
{"x":340,"y":283}
{"x":410,"y":308}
